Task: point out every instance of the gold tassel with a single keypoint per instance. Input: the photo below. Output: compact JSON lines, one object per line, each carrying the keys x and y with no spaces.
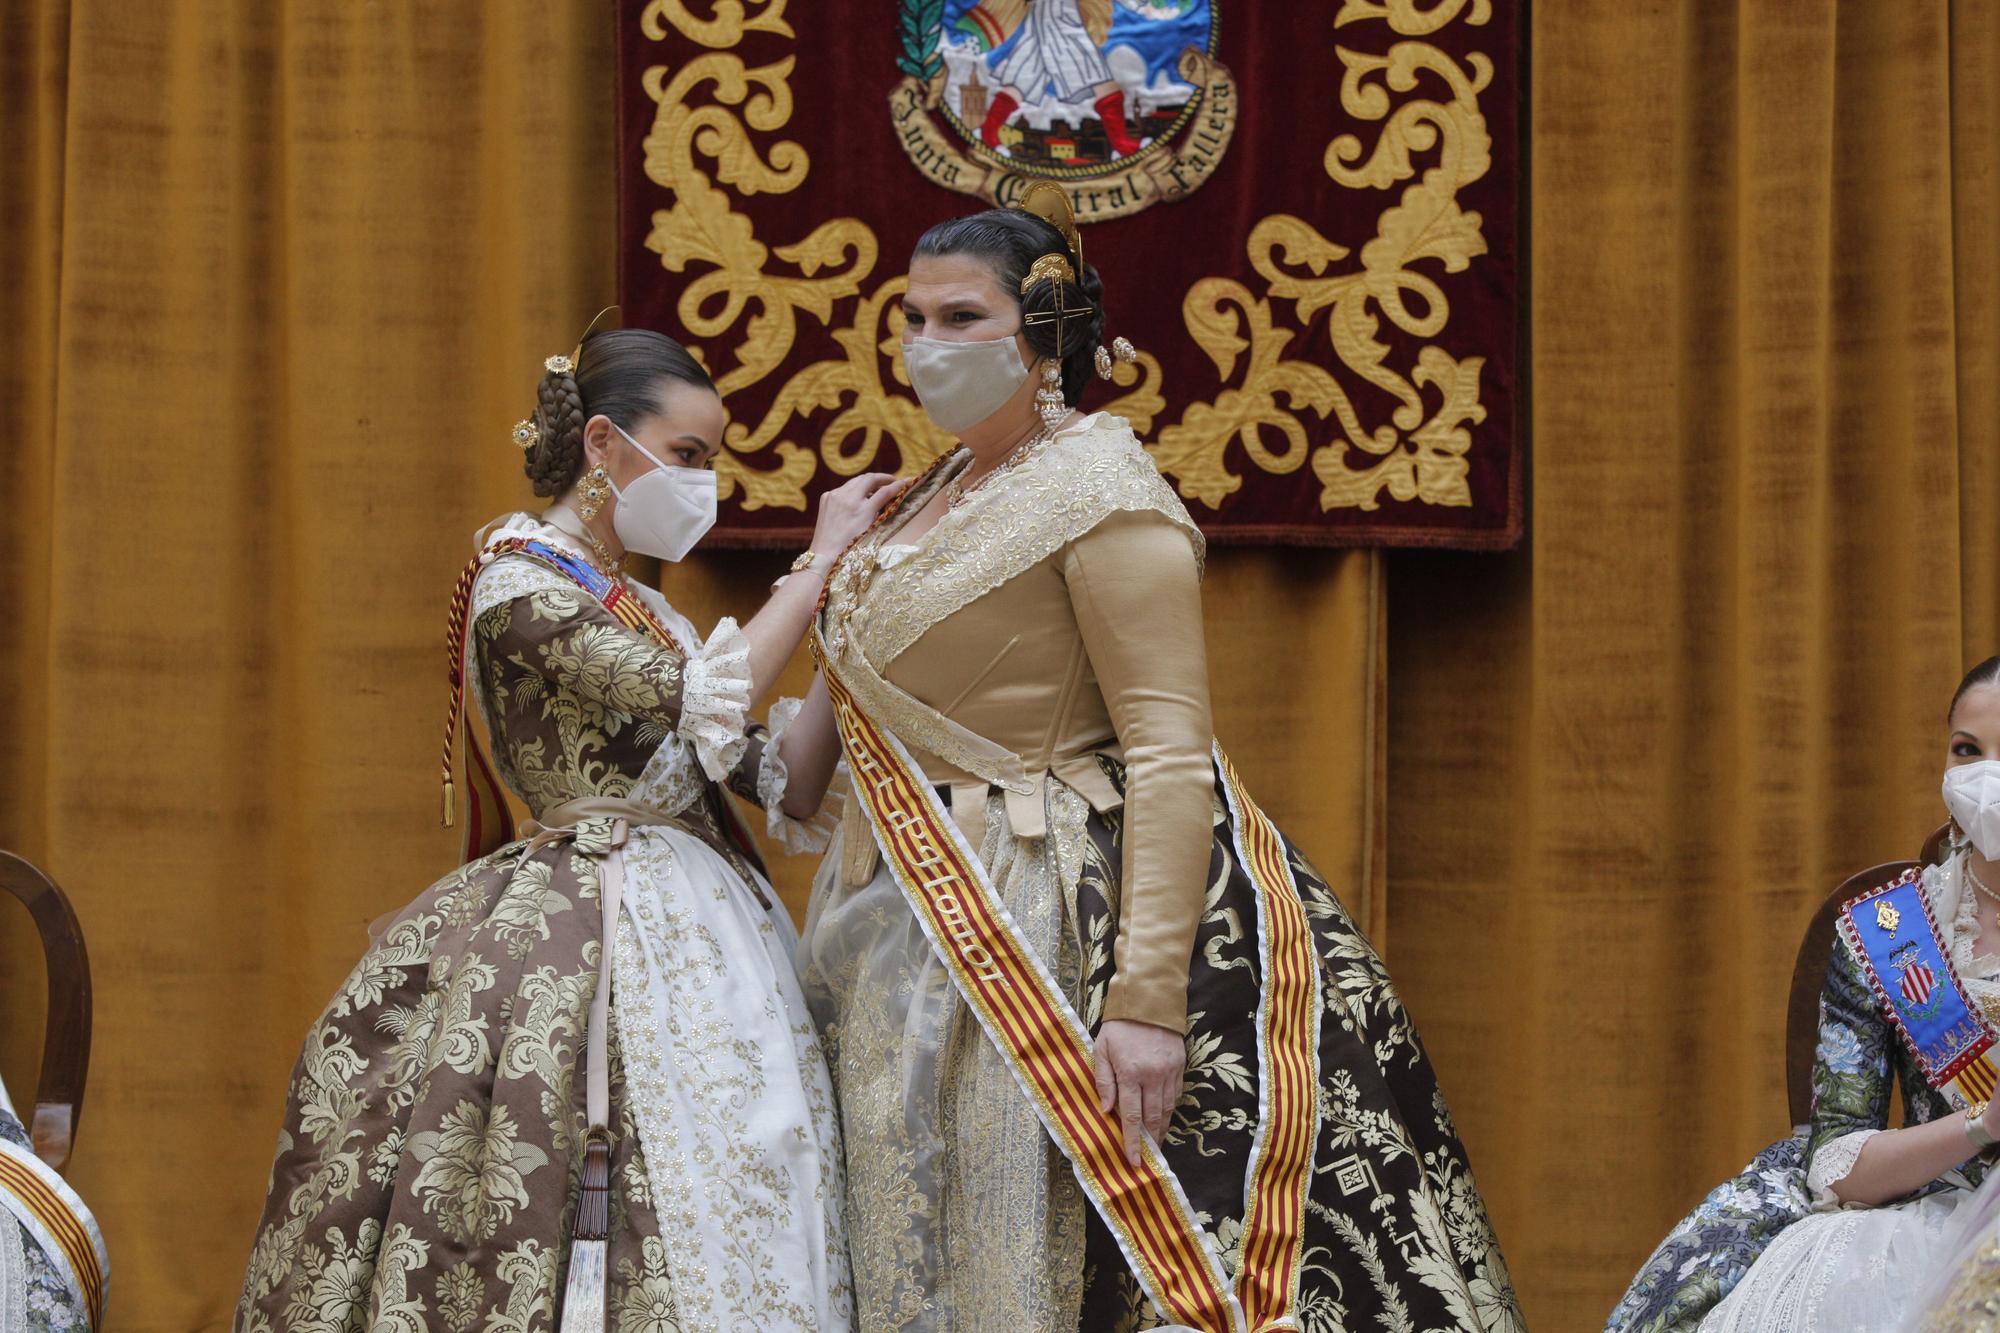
{"x":450,"y":804}
{"x":583,"y":1296}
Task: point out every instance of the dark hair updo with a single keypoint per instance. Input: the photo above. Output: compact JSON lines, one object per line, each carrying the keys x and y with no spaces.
{"x":1009,"y":241}
{"x":1986,"y":673}
{"x":619,"y":374}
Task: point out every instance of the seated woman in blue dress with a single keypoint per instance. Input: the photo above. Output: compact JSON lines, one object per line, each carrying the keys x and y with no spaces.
{"x":1839,"y":1226}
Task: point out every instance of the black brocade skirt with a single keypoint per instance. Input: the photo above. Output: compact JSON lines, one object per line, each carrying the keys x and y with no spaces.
{"x":1396,"y":1234}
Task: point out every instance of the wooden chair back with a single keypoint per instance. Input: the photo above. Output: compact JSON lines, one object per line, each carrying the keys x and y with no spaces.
{"x":1809,"y":972}
{"x":66,"y":1044}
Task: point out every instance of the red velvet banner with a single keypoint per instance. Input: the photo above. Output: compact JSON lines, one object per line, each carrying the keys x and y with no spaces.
{"x":1306,"y":216}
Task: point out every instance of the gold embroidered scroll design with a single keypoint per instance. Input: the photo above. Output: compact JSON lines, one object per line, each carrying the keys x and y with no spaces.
{"x":748,"y":296}
{"x":1419,"y":452}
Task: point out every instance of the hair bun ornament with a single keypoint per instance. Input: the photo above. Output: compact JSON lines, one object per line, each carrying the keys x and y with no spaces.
{"x":528,"y":433}
{"x":1050,"y":202}
{"x":1121,"y":348}
{"x":1052,"y":266}
{"x":560,"y":365}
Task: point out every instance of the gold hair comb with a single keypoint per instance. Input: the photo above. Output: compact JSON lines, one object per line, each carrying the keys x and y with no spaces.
{"x":1052,"y":266}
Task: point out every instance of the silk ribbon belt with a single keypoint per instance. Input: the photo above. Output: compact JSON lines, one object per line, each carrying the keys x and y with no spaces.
{"x":598,"y":827}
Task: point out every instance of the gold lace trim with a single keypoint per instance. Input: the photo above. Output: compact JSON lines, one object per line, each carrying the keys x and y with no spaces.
{"x":1088,"y":473}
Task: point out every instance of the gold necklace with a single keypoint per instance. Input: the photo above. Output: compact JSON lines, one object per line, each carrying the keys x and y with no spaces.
{"x":607,"y":564}
{"x":956,"y":492}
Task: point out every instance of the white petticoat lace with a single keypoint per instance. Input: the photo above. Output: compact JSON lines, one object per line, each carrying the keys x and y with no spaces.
{"x":715,"y":700}
{"x":796,"y":836}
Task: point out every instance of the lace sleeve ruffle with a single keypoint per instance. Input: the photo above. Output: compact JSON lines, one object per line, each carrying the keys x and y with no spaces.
{"x":796,"y":836}
{"x":715,"y":700}
{"x":1831,"y":1164}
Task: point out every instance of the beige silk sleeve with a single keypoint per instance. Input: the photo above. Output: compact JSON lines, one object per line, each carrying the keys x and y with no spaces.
{"x":1136,"y":589}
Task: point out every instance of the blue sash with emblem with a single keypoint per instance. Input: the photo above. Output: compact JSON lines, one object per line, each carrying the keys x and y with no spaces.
{"x":1891,"y":930}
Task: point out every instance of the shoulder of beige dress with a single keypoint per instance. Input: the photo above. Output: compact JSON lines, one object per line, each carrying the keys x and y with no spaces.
{"x":1103,"y":459}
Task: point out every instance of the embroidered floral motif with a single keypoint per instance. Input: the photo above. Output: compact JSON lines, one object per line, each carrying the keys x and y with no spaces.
{"x":474,"y":1170}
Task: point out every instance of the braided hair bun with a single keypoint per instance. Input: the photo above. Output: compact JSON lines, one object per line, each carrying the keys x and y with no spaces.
{"x":555,"y":462}
{"x":619,"y":373}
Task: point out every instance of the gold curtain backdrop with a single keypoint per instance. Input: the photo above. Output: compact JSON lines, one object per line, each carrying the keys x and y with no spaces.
{"x":1626,"y":761}
{"x":277,"y":277}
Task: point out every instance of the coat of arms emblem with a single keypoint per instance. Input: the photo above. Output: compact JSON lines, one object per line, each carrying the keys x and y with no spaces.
{"x":1916,"y":979}
{"x":1123,"y":101}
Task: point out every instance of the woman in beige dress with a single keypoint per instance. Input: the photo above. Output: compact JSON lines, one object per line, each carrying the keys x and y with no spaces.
{"x":1109,"y":1053}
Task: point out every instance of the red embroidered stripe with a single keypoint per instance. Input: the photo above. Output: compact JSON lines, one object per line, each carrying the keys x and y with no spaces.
{"x":1274,"y":1214}
{"x":989,"y":27}
{"x":1979,"y":1080}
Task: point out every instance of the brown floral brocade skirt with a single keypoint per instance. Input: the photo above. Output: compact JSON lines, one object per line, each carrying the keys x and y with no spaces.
{"x":1396,"y":1233}
{"x":431,"y":1139}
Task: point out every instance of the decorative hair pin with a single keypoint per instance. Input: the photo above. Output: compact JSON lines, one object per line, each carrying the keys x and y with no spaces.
{"x":1052,"y":266}
{"x":1050,"y":202}
{"x":1060,"y":316}
{"x":566,"y":365}
{"x":528,"y":434}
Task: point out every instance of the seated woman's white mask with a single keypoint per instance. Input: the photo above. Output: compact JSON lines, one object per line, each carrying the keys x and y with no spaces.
{"x":1972,"y":794}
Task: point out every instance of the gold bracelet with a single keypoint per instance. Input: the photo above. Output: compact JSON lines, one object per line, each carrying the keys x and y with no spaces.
{"x":807,"y":560}
{"x":1975,"y":1127}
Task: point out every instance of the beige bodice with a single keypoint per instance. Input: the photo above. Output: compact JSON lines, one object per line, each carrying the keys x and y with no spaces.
{"x":1053,"y":618}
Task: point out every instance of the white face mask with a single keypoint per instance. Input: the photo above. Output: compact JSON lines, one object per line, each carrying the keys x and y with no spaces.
{"x":1972,"y":794}
{"x":666,"y":511}
{"x":961,"y":384}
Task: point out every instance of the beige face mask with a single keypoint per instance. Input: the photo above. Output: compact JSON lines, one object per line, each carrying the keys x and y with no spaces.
{"x":961,"y":384}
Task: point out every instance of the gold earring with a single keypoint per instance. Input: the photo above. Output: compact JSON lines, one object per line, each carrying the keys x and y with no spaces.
{"x":596,"y":489}
{"x":1049,"y":402}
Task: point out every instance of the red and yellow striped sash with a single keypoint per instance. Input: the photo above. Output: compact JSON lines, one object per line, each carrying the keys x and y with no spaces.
{"x":52,"y":1210}
{"x":1049,"y":1052}
{"x":1977,"y":1082}
{"x":1288,"y":1010}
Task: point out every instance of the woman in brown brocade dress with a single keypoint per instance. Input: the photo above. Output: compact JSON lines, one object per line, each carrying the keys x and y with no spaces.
{"x":1025,"y":625}
{"x":435,"y":1136}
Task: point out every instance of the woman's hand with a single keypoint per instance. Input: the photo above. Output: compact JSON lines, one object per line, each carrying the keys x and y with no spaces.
{"x":1139,"y":1071}
{"x":1991,"y":1119}
{"x":846,"y":511}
